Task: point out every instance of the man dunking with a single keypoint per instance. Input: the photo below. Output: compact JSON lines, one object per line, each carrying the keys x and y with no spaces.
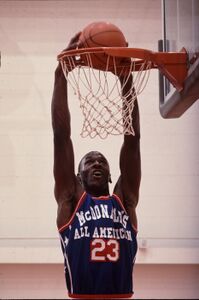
{"x":97,"y":230}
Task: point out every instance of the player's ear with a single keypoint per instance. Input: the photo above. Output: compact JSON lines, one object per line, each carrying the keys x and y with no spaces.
{"x":79,"y":178}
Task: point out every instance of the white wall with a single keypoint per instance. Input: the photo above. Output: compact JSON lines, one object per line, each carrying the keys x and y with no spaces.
{"x":32,"y":33}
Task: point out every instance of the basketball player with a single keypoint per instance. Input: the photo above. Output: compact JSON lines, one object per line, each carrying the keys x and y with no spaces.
{"x":97,"y":230}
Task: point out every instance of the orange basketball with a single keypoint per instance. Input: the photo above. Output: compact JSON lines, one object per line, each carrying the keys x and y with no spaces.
{"x":102,"y":34}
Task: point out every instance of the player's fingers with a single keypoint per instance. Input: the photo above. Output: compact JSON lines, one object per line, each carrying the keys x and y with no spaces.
{"x":74,"y":42}
{"x":75,"y":38}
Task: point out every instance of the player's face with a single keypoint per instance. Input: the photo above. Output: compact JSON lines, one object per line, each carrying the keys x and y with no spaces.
{"x":94,"y":171}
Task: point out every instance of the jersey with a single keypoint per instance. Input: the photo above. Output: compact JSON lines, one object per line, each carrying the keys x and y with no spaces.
{"x":99,"y":247}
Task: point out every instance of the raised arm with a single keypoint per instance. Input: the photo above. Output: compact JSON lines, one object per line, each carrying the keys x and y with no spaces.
{"x":66,"y":185}
{"x":128,"y":184}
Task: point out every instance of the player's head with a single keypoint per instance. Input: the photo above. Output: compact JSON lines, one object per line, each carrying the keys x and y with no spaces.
{"x":94,"y":172}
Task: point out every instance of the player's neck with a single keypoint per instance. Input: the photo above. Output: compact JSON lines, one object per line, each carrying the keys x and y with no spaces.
{"x":96,"y":192}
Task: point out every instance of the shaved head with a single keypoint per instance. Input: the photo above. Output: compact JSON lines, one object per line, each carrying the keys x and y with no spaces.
{"x":87,"y":155}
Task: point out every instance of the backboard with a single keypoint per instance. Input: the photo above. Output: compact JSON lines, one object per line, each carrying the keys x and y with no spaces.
{"x":180,"y":30}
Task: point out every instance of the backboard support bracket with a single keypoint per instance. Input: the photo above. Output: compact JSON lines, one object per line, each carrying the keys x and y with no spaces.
{"x":179,"y":102}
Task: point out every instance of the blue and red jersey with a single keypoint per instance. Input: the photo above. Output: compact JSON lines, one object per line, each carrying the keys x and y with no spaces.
{"x":99,"y":247}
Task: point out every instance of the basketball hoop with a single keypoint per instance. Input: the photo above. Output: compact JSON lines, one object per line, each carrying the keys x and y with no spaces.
{"x":106,"y":108}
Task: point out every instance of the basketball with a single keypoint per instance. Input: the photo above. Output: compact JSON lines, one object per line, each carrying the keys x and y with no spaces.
{"x":102,"y":34}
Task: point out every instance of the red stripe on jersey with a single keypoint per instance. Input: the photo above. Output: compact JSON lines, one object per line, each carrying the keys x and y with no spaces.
{"x":120,"y":202}
{"x":101,"y":198}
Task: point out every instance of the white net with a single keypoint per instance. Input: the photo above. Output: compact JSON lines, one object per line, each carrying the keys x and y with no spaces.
{"x":106,"y":108}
